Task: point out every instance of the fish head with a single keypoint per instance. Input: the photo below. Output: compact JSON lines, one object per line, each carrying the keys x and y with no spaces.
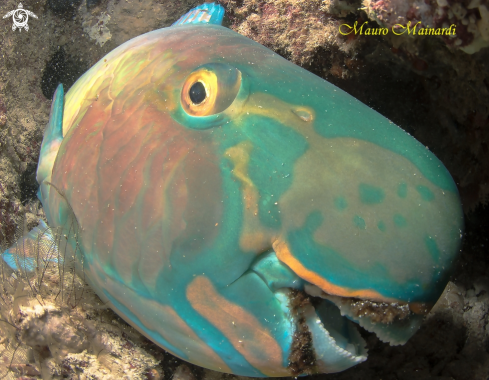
{"x":347,"y":199}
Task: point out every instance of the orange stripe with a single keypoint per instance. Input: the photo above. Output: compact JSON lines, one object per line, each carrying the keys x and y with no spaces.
{"x":241,"y":328}
{"x":205,"y":356}
{"x":254,"y":237}
{"x":163,"y":320}
{"x":283,"y":253}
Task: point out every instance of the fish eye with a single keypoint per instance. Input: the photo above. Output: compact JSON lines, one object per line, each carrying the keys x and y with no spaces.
{"x":210,"y":89}
{"x":197,"y":93}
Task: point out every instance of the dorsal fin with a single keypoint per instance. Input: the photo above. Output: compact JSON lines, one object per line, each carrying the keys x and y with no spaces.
{"x":207,"y":13}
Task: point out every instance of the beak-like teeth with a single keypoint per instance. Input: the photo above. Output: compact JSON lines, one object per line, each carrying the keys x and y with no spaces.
{"x":392,"y":323}
{"x":324,"y":341}
{"x":336,"y":341}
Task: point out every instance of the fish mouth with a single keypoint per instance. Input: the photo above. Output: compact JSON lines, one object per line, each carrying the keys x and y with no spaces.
{"x":327,"y":329}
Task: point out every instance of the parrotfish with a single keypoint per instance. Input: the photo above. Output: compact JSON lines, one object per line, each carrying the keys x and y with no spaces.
{"x":241,"y":212}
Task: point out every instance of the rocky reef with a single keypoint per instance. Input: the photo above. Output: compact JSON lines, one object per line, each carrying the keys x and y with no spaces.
{"x":470,"y":19}
{"x":53,"y":326}
{"x":434,"y":86}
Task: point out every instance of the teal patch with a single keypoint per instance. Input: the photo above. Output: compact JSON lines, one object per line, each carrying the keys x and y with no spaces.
{"x":359,"y":222}
{"x":340,"y":203}
{"x":370,"y":194}
{"x":276,"y":274}
{"x":425,"y":193}
{"x":432,"y":248}
{"x":400,"y":221}
{"x":271,"y":167}
{"x":402,"y":190}
{"x":381,"y":226}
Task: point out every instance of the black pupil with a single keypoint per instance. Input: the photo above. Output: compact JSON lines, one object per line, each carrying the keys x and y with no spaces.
{"x":197,"y":93}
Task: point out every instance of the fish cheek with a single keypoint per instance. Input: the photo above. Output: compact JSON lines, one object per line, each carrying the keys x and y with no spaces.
{"x":203,"y":212}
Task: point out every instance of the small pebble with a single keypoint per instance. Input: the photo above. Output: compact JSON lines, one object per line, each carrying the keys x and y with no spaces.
{"x":183,"y":373}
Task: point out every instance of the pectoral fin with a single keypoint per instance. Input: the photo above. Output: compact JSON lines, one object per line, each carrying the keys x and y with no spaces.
{"x":24,"y":255}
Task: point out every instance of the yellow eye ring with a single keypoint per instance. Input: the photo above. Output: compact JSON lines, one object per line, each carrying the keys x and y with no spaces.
{"x":210,"y":89}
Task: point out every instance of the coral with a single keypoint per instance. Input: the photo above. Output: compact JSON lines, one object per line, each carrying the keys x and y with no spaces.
{"x":97,"y":29}
{"x":54,"y":326}
{"x":294,"y":28}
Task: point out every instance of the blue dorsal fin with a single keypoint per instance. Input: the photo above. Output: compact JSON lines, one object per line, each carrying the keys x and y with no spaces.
{"x":207,"y":13}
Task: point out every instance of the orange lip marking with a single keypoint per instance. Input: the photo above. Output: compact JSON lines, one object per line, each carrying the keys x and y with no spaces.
{"x":241,"y":328}
{"x":283,"y":253}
